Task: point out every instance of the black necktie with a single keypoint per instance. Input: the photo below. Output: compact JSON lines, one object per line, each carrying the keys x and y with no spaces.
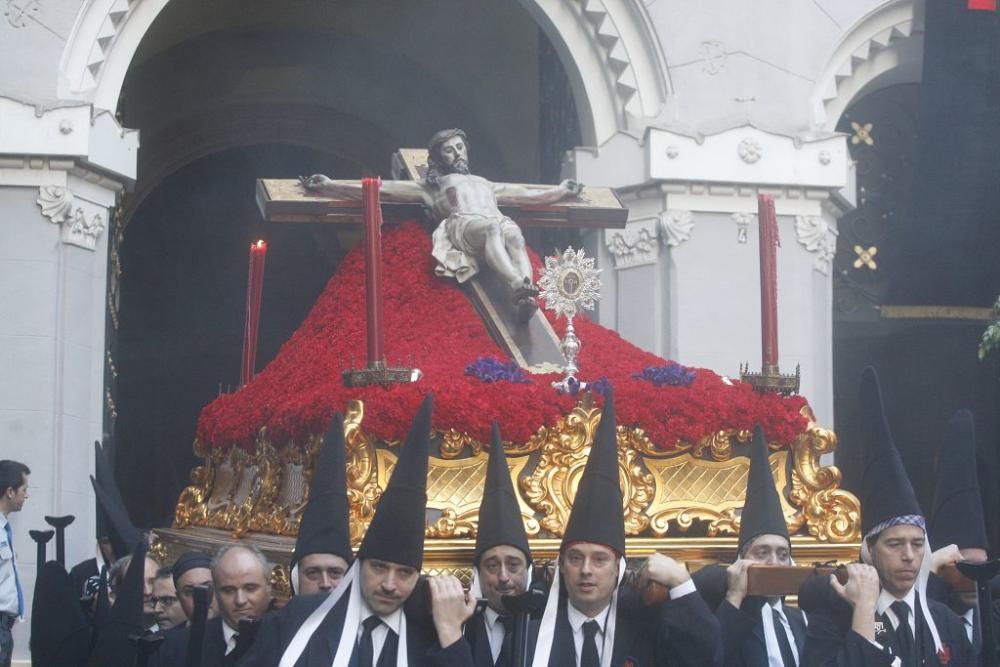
{"x":366,"y":650}
{"x":590,"y":656}
{"x":507,"y":645}
{"x":904,"y":635}
{"x":787,"y":657}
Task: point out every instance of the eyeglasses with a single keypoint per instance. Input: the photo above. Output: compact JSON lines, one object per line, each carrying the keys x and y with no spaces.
{"x":166,"y":601}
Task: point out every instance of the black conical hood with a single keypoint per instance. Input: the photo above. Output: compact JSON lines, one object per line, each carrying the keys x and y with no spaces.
{"x":957,"y":514}
{"x":113,"y":646}
{"x":121,"y":528}
{"x":597,"y":508}
{"x":396,"y":533}
{"x":499,"y":514}
{"x":886,"y":489}
{"x":60,"y":635}
{"x":106,"y":479}
{"x":324,"y":528}
{"x":762,"y":513}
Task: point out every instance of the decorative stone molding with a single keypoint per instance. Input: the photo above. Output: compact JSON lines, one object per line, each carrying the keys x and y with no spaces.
{"x":56,"y":203}
{"x":676,"y":227}
{"x":635,"y":245}
{"x":750,"y":150}
{"x":743,"y":221}
{"x":734,"y":156}
{"x":887,"y":38}
{"x":818,"y":237}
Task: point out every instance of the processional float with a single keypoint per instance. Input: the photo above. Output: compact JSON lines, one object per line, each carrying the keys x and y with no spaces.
{"x":683,"y":488}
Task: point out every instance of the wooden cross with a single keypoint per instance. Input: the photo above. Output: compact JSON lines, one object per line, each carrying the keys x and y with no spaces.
{"x":533,"y":345}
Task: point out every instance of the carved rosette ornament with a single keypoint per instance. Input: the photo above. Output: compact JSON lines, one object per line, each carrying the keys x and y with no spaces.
{"x":264,"y":490}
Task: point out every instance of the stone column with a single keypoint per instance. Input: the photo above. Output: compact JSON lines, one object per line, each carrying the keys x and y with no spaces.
{"x":60,"y":173}
{"x":681,"y":280}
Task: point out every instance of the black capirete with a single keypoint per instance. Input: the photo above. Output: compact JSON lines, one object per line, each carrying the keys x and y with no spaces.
{"x":762,"y":514}
{"x":597,"y":508}
{"x":499,"y":514}
{"x":324,"y":528}
{"x":886,"y":491}
{"x":957,"y":514}
{"x":396,"y":533}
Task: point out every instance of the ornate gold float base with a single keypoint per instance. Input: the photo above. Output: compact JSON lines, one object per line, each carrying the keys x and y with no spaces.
{"x":686,"y":501}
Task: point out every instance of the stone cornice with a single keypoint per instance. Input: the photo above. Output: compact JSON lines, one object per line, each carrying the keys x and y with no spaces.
{"x":94,"y":142}
{"x":748,"y":155}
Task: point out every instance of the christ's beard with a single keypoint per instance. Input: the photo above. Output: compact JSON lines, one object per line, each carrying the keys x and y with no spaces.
{"x":460,"y":166}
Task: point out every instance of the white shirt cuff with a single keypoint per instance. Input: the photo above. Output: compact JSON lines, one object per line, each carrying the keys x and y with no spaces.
{"x":681,"y":590}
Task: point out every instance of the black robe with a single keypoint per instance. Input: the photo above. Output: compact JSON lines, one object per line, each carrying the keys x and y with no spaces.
{"x":677,"y":633}
{"x":743,"y":643}
{"x":478,"y":639}
{"x":479,"y":642}
{"x":278,"y":628}
{"x":830,"y":641}
{"x":173,"y":651}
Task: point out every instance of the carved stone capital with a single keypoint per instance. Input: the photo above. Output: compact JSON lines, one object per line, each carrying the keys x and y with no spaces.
{"x":79,"y":229}
{"x":676,"y":227}
{"x":743,"y":221}
{"x":635,"y":245}
{"x":819,"y":238}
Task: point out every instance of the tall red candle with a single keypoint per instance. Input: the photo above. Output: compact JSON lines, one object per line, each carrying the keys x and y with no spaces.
{"x":373,"y":266}
{"x":768,"y":224}
{"x":251,"y":323}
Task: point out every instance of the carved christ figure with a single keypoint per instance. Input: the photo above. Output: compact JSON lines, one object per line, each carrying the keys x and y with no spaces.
{"x":471,"y":225}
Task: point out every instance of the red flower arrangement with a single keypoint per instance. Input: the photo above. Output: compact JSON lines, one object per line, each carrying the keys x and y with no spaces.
{"x":429,"y":320}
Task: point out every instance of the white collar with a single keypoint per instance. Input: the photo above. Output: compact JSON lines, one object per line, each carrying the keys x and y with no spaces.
{"x":491,"y":617}
{"x":777,"y":606}
{"x":227,"y":632}
{"x":577,"y":618}
{"x":391,"y":621}
{"x":885,"y":600}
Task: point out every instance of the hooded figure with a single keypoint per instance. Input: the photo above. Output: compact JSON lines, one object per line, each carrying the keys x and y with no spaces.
{"x":957,"y":515}
{"x":125,"y":619}
{"x":756,"y":631}
{"x":506,"y":570}
{"x":86,"y":573}
{"x":583,"y":624}
{"x":60,"y":634}
{"x":907,"y":625}
{"x":326,"y":629}
{"x":324,"y":532}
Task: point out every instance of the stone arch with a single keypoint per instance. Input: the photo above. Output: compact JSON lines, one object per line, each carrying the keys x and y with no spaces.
{"x":883,"y":48}
{"x":304,"y":125}
{"x":608,"y":47}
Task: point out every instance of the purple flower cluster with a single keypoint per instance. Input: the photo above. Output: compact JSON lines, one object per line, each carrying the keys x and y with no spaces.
{"x":574,"y":386}
{"x":491,"y":369}
{"x":672,"y":374}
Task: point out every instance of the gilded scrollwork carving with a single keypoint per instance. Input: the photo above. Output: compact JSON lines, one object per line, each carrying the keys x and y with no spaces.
{"x":453,"y":443}
{"x":363,"y":490}
{"x":192,"y":503}
{"x":551,"y":487}
{"x":266,"y":489}
{"x":829,"y":512}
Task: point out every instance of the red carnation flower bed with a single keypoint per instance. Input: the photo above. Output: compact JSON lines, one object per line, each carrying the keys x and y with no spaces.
{"x":429,"y":320}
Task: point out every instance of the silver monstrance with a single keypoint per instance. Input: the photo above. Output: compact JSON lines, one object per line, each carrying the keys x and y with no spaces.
{"x":569,"y":282}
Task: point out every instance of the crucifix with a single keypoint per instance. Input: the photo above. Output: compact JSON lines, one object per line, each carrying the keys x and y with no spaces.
{"x":477,"y":240}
